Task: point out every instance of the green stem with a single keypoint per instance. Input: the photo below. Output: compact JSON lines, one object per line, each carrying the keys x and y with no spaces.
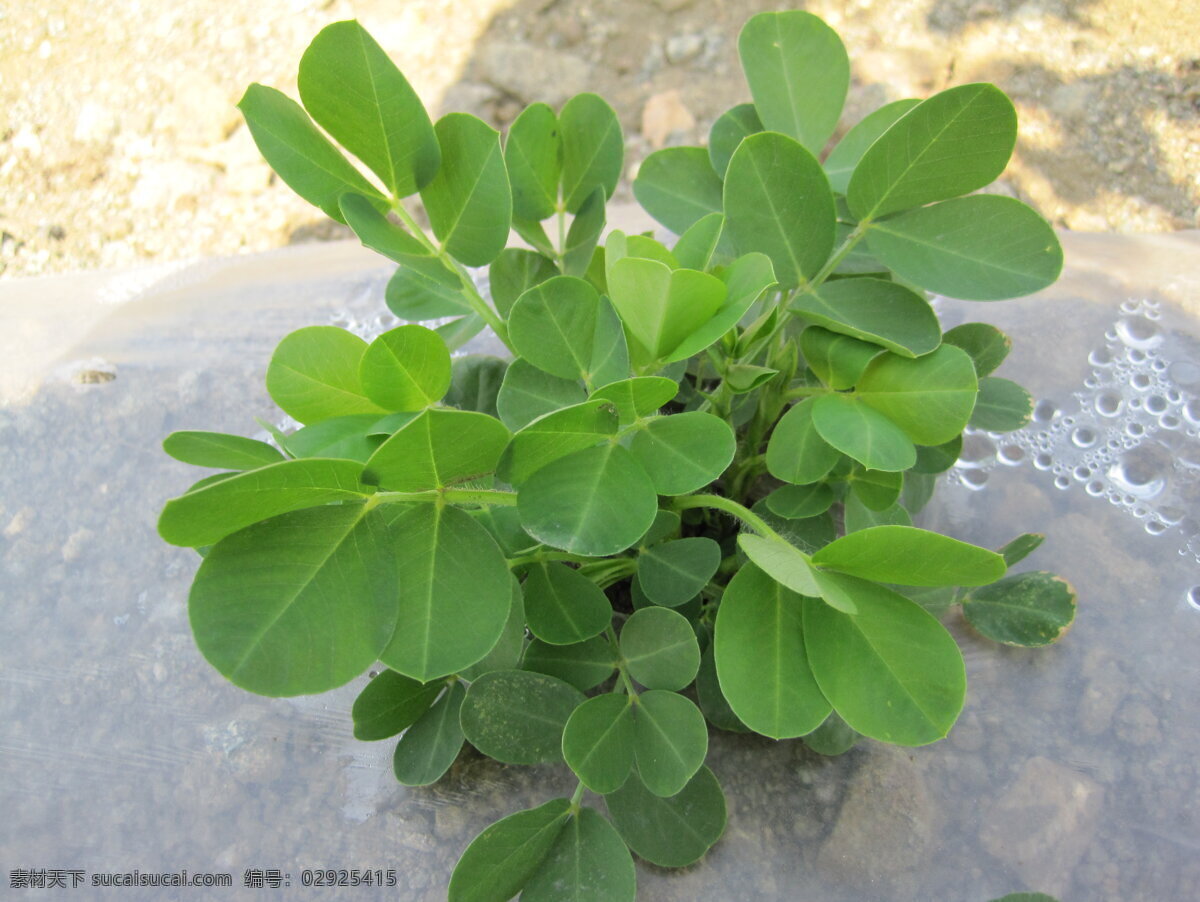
{"x":628,"y":683}
{"x":806,"y":391}
{"x":838,"y":256}
{"x":577,"y":798}
{"x":539,"y":557}
{"x":731,"y":507}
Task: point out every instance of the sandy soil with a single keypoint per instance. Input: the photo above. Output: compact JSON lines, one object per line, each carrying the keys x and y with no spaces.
{"x":120,"y":143}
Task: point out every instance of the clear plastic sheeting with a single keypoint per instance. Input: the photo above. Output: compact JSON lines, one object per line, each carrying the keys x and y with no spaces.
{"x":1072,"y":770}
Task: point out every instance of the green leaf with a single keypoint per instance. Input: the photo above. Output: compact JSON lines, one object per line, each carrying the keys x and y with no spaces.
{"x":677,"y":186}
{"x":986,"y":345}
{"x":743,"y":377}
{"x":796,"y":452}
{"x":911,"y":557}
{"x":430,"y":745}
{"x":1002,"y":405}
{"x":833,"y":737}
{"x":593,"y":149}
{"x":838,"y":360}
{"x":221,"y":451}
{"x":517,"y":717}
{"x":892,"y":672}
{"x":863,"y":433}
{"x":563,"y":607}
{"x":938,"y":458}
{"x":930,"y":398}
{"x":441,"y":447}
{"x":1027,"y":609}
{"x":610,"y":350}
{"x":514,"y":272}
{"x":660,"y":306}
{"x":469,"y":201}
{"x":884,"y":313}
{"x":528,"y":393}
{"x":807,"y":534}
{"x":533,"y":155}
{"x":556,"y":435}
{"x":299,"y":604}
{"x":598,"y":742}
{"x":597,"y":501}
{"x":842,"y":160}
{"x":798,"y":73}
{"x":351,"y":88}
{"x":314,"y":375}
{"x":761,"y":660}
{"x":588,"y":863}
{"x":640,"y":396}
{"x":935,"y":599}
{"x":979,"y":248}
{"x":953,"y":143}
{"x":298,"y":152}
{"x":454,"y":591}
{"x":474,"y":383}
{"x":584,"y":665}
{"x":796,"y":502}
{"x":208,"y":514}
{"x":535,"y":234}
{"x":390,"y":703}
{"x":407,"y":368}
{"x":745,"y":281}
{"x":672,"y":832}
{"x":660,"y":648}
{"x":347,"y":438}
{"x":1021,"y":547}
{"x":673,"y":573}
{"x":858,"y":516}
{"x":553,"y":326}
{"x":670,"y":739}
{"x":506,"y":653}
{"x":783,"y":562}
{"x":380,"y":234}
{"x":584,"y":234}
{"x":727,"y":133}
{"x":502,"y":859}
{"x":711,"y":699}
{"x":877,"y":489}
{"x":684,"y":452}
{"x":666,"y":524}
{"x":412,"y":295}
{"x":777,"y":200}
{"x":696,"y":246}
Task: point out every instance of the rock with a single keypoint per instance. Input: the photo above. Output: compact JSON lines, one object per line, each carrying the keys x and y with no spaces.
{"x":1043,"y":823}
{"x":683,"y":48}
{"x":169,"y":185}
{"x":1073,"y":99}
{"x":95,"y":124}
{"x":664,"y":116}
{"x":533,"y":73}
{"x":1102,"y":695}
{"x":199,"y":113}
{"x":884,"y":828}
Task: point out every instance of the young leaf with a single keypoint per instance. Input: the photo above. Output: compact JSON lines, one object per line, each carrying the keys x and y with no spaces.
{"x":1002,"y":405}
{"x":670,"y":740}
{"x":930,"y":398}
{"x":727,"y":133}
{"x":641,"y":396}
{"x":673,"y":573}
{"x":533,"y":155}
{"x":677,"y":186}
{"x":1027,"y":609}
{"x":314,"y":375}
{"x":833,"y":737}
{"x":777,"y":200}
{"x":469,"y":201}
{"x":298,"y":604}
{"x":224,"y":452}
{"x":980,"y":248}
{"x":796,"y":452}
{"x":670,"y":832}
{"x":588,"y":863}
{"x":355,"y":92}
{"x":562,"y":607}
{"x":454,"y":592}
{"x":796,"y":502}
{"x":346,"y":438}
{"x":474,"y":383}
{"x":407,"y":368}
{"x":528,"y":393}
{"x":696,"y":246}
{"x":876,"y":311}
{"x":517,"y":717}
{"x":1021,"y":547}
{"x":877,"y":489}
{"x":501,"y":859}
{"x":660,"y":306}
{"x":761,"y":661}
{"x":593,"y":149}
{"x":986,"y":345}
{"x":598,"y":742}
{"x":953,"y":143}
{"x":892,"y":672}
{"x":842,"y":160}
{"x":441,"y":447}
{"x":303,"y":157}
{"x":206,"y":515}
{"x":390,"y":703}
{"x":584,"y":234}
{"x":911,"y":557}
{"x":784,"y":563}
{"x":860,"y":431}
{"x":858,"y":516}
{"x":745,"y":280}
{"x":514,"y":272}
{"x":838,"y":360}
{"x":556,"y":435}
{"x":798,"y":73}
{"x":685,"y":451}
{"x":660,"y":649}
{"x":429,"y":746}
{"x":584,"y":665}
{"x":597,"y":501}
{"x":610,"y":350}
{"x":553,"y":326}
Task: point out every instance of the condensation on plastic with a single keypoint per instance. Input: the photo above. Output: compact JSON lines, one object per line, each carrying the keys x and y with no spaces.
{"x":1072,"y":770}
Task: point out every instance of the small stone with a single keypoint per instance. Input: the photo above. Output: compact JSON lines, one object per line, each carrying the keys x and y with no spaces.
{"x":1073,"y":99}
{"x":1137,"y":725}
{"x":1102,"y":694}
{"x":664,"y":116}
{"x":95,"y":124}
{"x":532,"y":73}
{"x":199,"y":113}
{"x":166,"y":185}
{"x":684,"y":48}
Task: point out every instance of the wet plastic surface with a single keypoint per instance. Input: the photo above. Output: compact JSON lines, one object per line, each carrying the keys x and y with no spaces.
{"x":1072,"y":770}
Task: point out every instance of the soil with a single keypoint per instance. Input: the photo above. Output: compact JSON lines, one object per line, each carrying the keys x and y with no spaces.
{"x":120,"y":142}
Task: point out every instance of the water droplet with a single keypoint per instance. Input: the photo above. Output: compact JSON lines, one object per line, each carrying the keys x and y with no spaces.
{"x":1061,"y":482}
{"x":1095,"y":488}
{"x":1185,"y":372}
{"x":1043,"y":461}
{"x":1140,"y":381}
{"x":1082,"y":473}
{"x":1191,"y":410}
{"x":1170,"y":515}
{"x":1169,"y":421}
{"x":1137,"y":332}
{"x":1108,"y":404}
{"x":1136,"y":355}
{"x":1135,"y":430}
{"x":977,"y":451}
{"x":1083,"y":437}
{"x":974,"y":479}
{"x":1193,"y":597}
{"x":1156,"y":404}
{"x":1158,"y":366}
{"x":1012,"y":455}
{"x":1155,"y":527}
{"x":1174,"y":395}
{"x":1044,"y":411}
{"x":1138,"y":475}
{"x":1100,"y":357}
